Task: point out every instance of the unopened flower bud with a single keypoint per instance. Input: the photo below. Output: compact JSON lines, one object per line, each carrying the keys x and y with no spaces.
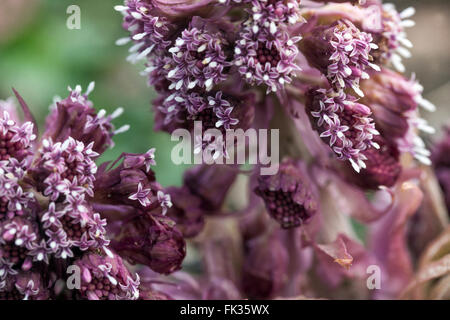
{"x":289,"y":195}
{"x":153,"y":241}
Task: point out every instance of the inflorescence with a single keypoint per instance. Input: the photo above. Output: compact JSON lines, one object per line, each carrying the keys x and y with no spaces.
{"x":55,"y":203}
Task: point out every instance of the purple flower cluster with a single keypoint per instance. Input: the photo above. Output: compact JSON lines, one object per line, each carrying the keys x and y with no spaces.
{"x":345,"y":52}
{"x":320,"y":73}
{"x":200,"y":63}
{"x":205,"y":69}
{"x":264,"y":52}
{"x":216,"y":62}
{"x":346,"y":124}
{"x":198,"y":59}
{"x":55,"y":203}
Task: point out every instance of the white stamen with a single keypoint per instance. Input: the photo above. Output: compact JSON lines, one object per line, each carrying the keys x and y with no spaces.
{"x":425,"y":160}
{"x":192,"y":84}
{"x":122,"y":41}
{"x":101,"y":113}
{"x":90,"y":88}
{"x":405,"y":42}
{"x":179,"y":84}
{"x":139,"y":36}
{"x":407,"y":13}
{"x":358,"y":90}
{"x":144,"y":53}
{"x":355,"y":165}
{"x":122,"y":129}
{"x":208,"y":84}
{"x":136,"y":15}
{"x":427,"y":105}
{"x":136,"y":47}
{"x":179,"y":42}
{"x":172,"y":73}
{"x":117,"y":113}
{"x":273,"y":28}
{"x":407,"y":23}
{"x":257,"y":16}
{"x":397,"y":62}
{"x":120,"y":8}
{"x":404,"y":52}
{"x":201,"y":48}
{"x":375,"y":66}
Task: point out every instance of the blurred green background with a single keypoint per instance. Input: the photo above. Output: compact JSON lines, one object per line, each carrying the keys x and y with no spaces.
{"x":40,"y":57}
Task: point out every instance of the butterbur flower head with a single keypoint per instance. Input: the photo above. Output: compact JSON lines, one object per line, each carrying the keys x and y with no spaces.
{"x":65,"y":167}
{"x":395,"y":92}
{"x":75,"y":117}
{"x":390,"y":90}
{"x":289,"y":195}
{"x":54,"y":200}
{"x":106,"y":278}
{"x":73,"y":226}
{"x":266,"y":56}
{"x":342,"y":53}
{"x":220,"y":110}
{"x":199,"y":58}
{"x":45,"y":202}
{"x":343,"y":123}
{"x":151,"y":240}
